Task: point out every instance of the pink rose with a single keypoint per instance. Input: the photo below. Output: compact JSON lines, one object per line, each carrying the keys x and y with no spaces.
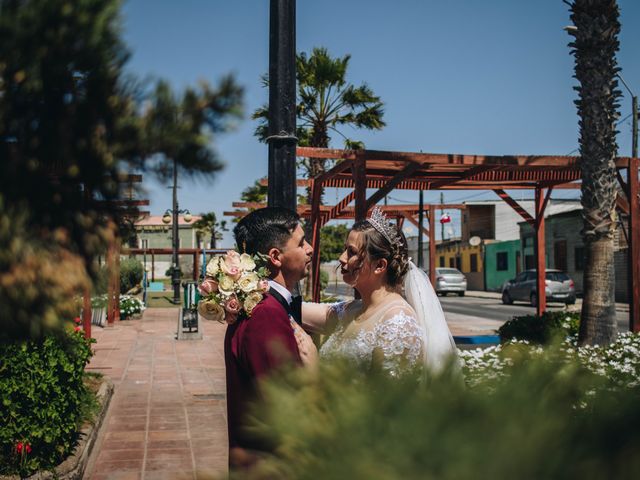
{"x":263,"y":285}
{"x":232,"y":306}
{"x":231,"y":265}
{"x":209,"y":285}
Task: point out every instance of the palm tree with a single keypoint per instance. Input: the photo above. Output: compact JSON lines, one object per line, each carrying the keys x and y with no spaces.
{"x":326,"y":104}
{"x":208,"y":224}
{"x":594,"y":46}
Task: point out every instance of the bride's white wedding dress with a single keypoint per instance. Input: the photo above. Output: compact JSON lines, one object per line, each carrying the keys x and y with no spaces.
{"x":390,"y":339}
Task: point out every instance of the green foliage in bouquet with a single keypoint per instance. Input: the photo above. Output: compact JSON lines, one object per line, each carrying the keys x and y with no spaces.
{"x":542,"y":421}
{"x":44,"y":400}
{"x":542,"y":329}
{"x":131,"y":271}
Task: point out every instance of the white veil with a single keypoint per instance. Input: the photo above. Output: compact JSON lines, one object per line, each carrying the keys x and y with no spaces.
{"x":439,"y":347}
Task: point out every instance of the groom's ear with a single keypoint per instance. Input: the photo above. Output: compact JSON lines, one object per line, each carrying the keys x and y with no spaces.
{"x":275,"y":257}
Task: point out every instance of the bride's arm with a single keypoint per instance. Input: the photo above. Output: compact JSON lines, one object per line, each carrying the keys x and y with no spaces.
{"x":314,"y":316}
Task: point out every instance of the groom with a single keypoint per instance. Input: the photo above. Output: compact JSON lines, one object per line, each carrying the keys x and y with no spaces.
{"x":264,"y":342}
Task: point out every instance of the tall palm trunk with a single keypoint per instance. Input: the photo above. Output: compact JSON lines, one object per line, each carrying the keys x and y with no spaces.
{"x":595,"y":47}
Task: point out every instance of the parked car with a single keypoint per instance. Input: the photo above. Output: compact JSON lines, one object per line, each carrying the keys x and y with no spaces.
{"x":558,"y":287}
{"x":450,"y":280}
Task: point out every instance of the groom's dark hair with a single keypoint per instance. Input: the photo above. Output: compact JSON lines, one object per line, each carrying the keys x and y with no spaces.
{"x":264,"y":229}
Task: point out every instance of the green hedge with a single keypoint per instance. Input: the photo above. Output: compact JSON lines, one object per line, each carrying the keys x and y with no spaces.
{"x":540,"y":329}
{"x":131,"y":271}
{"x":43,"y":400}
{"x":547,"y":419}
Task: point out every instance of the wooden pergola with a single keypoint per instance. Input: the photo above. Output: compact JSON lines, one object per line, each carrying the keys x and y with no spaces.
{"x":401,"y":213}
{"x":385,"y":171}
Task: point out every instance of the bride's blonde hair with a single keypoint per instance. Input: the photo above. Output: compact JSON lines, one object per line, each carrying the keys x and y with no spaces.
{"x":375,"y":246}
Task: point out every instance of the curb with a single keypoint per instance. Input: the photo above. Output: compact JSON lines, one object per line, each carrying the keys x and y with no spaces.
{"x":74,"y":466}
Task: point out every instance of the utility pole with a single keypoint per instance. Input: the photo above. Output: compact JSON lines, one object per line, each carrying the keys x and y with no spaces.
{"x":282,"y":104}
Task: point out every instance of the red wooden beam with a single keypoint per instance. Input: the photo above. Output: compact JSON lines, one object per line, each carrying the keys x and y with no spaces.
{"x":432,"y":245}
{"x":541,"y":305}
{"x":360,"y":181}
{"x":468,"y":175}
{"x":516,"y":206}
{"x":415,"y":222}
{"x":398,"y":178}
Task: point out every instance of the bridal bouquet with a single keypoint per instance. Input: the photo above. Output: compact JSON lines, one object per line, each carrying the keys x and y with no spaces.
{"x":234,"y":284}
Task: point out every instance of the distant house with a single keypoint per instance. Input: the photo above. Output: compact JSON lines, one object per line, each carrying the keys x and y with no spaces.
{"x":564,"y":248}
{"x":499,"y":255}
{"x":151,"y":232}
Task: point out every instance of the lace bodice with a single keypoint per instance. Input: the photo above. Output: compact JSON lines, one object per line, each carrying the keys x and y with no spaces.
{"x":391,"y":337}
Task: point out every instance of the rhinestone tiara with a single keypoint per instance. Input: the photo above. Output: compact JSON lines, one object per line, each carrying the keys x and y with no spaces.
{"x":378,"y":220}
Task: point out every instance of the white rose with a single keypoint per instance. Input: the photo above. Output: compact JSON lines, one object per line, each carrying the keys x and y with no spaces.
{"x":246,"y":262}
{"x":251,"y":301}
{"x":211,"y":310}
{"x":248,"y":282}
{"x":213,"y":267}
{"x":226,"y":285}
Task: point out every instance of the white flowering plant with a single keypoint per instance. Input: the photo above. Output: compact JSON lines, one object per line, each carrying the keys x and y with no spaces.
{"x":129,"y":306}
{"x":617,"y":363}
{"x":234,"y":284}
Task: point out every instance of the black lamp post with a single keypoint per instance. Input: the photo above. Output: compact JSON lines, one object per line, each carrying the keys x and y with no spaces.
{"x":169,"y":216}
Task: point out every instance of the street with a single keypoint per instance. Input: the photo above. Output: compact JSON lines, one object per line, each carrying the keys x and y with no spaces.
{"x":483,"y":308}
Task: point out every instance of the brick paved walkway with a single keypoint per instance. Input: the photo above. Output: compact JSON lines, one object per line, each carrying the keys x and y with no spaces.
{"x":167,"y":418}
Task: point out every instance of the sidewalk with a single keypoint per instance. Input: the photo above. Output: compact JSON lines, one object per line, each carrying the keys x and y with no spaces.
{"x":167,"y":418}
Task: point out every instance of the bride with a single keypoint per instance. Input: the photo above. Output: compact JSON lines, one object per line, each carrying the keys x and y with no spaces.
{"x":396,"y":325}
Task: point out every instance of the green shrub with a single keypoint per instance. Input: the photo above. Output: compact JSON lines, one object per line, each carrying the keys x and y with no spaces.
{"x":131,"y":272}
{"x":43,"y":398}
{"x":540,"y":329}
{"x":540,"y":422}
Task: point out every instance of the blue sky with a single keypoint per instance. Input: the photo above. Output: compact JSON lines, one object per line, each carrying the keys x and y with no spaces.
{"x":460,"y":76}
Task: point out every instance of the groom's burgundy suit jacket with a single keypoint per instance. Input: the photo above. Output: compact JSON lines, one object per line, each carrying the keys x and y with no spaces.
{"x":253,"y":348}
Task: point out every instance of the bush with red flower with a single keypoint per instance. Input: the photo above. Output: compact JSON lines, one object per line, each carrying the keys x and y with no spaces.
{"x":43,"y":400}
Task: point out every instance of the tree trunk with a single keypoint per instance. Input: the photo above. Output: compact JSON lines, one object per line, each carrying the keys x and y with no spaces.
{"x":598,"y":318}
{"x":595,"y":46}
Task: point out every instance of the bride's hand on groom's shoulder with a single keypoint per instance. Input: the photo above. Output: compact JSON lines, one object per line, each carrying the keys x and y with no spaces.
{"x":306,"y":347}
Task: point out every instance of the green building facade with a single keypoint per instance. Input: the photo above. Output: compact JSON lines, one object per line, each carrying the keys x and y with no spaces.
{"x":502,"y":263}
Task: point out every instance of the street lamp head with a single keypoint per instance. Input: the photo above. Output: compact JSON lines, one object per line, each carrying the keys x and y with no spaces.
{"x":166,"y":219}
{"x":188,"y":217}
{"x":570,"y":29}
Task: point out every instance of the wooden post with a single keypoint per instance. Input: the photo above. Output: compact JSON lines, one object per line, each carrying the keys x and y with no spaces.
{"x":116,"y":274}
{"x":634,"y":246}
{"x":196,"y":266}
{"x":110,"y":284}
{"x":432,"y":244}
{"x":541,"y":305}
{"x":316,"y":223}
{"x":360,"y":186}
{"x":86,"y":312}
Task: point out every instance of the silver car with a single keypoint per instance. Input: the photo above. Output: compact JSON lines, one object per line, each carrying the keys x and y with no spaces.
{"x":450,"y":280}
{"x":558,"y":288}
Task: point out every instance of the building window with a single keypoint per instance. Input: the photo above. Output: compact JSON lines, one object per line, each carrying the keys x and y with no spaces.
{"x":529,"y":262}
{"x":442,"y":261}
{"x":578,"y":256}
{"x":473,"y":259}
{"x":452,"y":262}
{"x":560,"y":255}
{"x":502,"y":261}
